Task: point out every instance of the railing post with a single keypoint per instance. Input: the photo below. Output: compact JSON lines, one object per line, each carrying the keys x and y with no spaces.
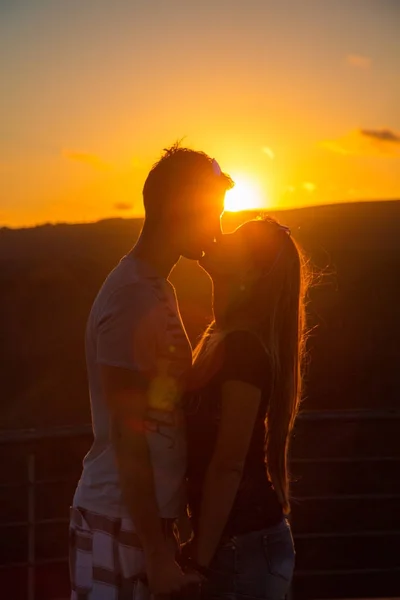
{"x":31,"y":526}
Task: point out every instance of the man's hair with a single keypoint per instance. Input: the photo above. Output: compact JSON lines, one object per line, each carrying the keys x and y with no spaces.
{"x":175,"y":172}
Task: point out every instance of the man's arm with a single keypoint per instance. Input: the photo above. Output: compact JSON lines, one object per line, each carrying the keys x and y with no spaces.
{"x":126,"y":345}
{"x":127,"y":401}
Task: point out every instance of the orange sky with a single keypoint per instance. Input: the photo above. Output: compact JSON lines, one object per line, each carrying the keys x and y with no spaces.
{"x":298,"y":101}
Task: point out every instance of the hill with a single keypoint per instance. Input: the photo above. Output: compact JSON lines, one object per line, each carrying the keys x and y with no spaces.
{"x":49,"y":276}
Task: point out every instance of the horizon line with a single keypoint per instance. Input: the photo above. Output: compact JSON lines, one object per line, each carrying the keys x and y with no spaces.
{"x":229,"y":212}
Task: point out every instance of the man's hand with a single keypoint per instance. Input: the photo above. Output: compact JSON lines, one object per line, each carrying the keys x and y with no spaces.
{"x":165,"y":576}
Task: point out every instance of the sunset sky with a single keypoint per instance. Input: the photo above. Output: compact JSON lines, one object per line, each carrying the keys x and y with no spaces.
{"x":299,"y":100}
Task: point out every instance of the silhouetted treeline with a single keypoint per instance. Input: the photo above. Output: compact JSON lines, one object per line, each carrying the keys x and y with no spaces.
{"x":49,"y":276}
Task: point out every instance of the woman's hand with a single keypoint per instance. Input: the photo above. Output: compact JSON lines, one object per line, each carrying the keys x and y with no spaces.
{"x":187,"y":552}
{"x":188,"y":558}
{"x":165,"y":576}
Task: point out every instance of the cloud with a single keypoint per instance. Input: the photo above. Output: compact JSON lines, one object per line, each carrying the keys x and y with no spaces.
{"x":360,"y":193}
{"x":123,"y":206}
{"x":339,"y":146}
{"x":359,"y":61}
{"x":309,"y":186}
{"x":268,"y":152}
{"x":366,"y":142}
{"x":86,"y":158}
{"x":383,"y":135}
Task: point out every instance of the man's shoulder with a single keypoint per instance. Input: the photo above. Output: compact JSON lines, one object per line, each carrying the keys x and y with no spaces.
{"x":127,"y":294}
{"x":126,"y":281}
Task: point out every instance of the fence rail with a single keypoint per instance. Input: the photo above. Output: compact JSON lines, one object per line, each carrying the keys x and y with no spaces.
{"x":32,"y":523}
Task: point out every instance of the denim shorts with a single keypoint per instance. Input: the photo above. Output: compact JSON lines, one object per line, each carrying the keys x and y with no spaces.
{"x":256,"y":565}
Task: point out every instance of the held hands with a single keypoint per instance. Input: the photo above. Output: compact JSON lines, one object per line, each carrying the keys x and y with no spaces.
{"x":188,"y":558}
{"x":164,"y":574}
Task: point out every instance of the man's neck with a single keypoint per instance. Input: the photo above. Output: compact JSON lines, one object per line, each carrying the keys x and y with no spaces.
{"x":155,"y":250}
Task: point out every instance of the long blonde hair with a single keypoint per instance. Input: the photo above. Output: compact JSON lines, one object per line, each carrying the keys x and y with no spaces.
{"x":275,"y":307}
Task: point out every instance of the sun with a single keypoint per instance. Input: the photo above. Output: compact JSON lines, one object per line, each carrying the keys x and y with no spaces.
{"x":246,"y":195}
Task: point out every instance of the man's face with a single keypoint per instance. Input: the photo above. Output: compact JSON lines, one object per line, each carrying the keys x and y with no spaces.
{"x":200,"y":227}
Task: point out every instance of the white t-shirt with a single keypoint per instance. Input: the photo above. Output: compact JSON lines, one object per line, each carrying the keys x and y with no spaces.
{"x":135,"y":324}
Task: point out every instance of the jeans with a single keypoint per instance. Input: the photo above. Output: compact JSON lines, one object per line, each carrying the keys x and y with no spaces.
{"x":256,"y":565}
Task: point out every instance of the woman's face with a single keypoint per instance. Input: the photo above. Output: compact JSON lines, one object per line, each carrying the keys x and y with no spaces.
{"x":228,"y":264}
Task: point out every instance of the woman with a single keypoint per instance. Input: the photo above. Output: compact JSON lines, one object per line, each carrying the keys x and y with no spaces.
{"x":246,"y":392}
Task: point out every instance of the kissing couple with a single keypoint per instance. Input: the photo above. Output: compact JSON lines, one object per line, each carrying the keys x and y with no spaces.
{"x":185,"y":490}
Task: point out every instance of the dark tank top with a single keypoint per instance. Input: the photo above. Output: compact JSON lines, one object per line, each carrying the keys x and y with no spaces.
{"x":239,"y":356}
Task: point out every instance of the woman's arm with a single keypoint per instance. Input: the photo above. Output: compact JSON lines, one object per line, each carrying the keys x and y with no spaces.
{"x":239,"y":406}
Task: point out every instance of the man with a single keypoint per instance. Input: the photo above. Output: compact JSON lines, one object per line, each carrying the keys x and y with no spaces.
{"x":132,"y":486}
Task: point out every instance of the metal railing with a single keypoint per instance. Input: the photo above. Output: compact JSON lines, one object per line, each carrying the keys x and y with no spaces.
{"x":15,"y":438}
{"x":21,"y":437}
